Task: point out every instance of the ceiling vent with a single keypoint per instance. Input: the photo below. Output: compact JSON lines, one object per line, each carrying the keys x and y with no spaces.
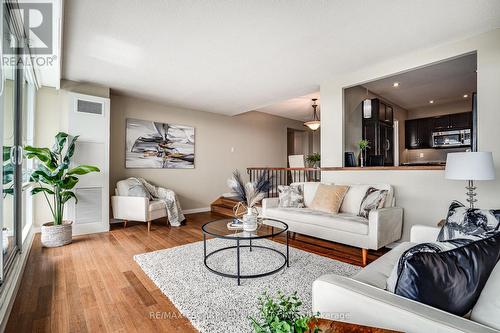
{"x":85,"y":106}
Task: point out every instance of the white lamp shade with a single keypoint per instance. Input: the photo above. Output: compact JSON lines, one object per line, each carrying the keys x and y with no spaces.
{"x":313,"y":124}
{"x":470,"y":166}
{"x":367,"y":108}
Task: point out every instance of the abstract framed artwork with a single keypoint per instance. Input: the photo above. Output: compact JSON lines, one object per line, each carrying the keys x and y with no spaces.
{"x":154,"y":145}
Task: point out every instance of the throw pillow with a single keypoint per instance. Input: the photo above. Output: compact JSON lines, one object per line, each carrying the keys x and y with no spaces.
{"x":291,"y":196}
{"x":373,"y":199}
{"x":450,"y":280}
{"x":463,"y":222}
{"x":328,"y":198}
{"x":353,"y":198}
{"x":136,"y":188}
{"x":434,"y":247}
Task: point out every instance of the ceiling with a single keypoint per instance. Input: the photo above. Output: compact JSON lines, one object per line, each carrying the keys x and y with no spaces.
{"x":443,"y":83}
{"x":234,"y":56}
{"x":298,"y":108}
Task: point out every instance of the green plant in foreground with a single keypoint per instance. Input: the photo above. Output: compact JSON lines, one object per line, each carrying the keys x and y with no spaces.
{"x":364,"y":144}
{"x":53,"y":176}
{"x":282,"y":315}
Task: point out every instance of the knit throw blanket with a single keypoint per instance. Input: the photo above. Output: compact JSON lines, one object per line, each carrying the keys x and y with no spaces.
{"x":139,"y":187}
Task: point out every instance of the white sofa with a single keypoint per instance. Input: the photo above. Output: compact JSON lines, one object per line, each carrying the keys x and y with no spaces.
{"x":382,"y":227}
{"x":363,"y":299}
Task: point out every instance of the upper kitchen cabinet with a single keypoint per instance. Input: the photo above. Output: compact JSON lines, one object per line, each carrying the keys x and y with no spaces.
{"x":382,"y":111}
{"x":450,"y":122}
{"x":418,"y":133}
{"x":461,"y":120}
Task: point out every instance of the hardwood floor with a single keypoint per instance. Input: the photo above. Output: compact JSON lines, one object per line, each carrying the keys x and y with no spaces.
{"x":94,"y":285}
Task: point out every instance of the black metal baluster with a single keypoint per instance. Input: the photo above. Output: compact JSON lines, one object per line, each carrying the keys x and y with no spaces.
{"x":275,"y":187}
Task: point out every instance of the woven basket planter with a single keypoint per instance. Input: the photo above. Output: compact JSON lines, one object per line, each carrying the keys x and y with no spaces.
{"x":57,"y":235}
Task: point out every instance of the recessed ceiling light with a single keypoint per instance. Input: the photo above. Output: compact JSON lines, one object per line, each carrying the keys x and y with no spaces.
{"x":465,"y":96}
{"x":395,"y":84}
{"x":431,"y":101}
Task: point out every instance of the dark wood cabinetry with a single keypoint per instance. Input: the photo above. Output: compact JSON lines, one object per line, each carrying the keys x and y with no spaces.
{"x":418,"y":132}
{"x":382,"y":111}
{"x":461,"y":120}
{"x":379,"y":131}
{"x":455,"y":121}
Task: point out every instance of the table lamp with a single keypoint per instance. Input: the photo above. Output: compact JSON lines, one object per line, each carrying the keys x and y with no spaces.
{"x":470,"y":166}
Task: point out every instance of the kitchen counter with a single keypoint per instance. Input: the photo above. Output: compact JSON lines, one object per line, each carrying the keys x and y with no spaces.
{"x":433,"y":163}
{"x":387,"y":168}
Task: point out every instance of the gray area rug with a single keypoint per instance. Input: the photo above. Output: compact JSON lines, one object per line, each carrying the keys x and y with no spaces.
{"x":217,"y":304}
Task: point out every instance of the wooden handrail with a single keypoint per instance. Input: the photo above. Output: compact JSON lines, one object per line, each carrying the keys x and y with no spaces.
{"x":288,"y":169}
{"x":367,"y":168}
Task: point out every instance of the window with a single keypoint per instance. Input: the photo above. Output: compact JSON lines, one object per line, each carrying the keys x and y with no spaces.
{"x":17,"y":102}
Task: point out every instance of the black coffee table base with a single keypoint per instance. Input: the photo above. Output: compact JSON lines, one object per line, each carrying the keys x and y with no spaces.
{"x":238,"y":248}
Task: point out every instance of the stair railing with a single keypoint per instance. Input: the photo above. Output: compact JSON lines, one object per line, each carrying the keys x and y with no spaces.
{"x":284,"y":176}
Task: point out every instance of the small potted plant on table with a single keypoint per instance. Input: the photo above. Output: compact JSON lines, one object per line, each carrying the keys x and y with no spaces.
{"x":363,"y":146}
{"x":314,"y":160}
{"x":55,"y":178}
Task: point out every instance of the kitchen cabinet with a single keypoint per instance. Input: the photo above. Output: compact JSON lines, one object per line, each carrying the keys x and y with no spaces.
{"x":450,"y":122}
{"x":418,"y":132}
{"x":384,"y":111}
{"x":441,"y":123}
{"x":411,"y":134}
{"x":461,"y":120}
{"x":378,"y":130}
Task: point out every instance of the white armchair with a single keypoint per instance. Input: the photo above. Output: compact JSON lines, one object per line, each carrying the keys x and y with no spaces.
{"x":141,"y":209}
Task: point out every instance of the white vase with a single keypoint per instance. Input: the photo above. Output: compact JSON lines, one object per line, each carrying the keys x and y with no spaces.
{"x":249,"y":221}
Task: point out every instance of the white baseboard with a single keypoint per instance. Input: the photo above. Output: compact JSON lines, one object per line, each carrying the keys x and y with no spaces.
{"x":196,"y":210}
{"x":13,"y":280}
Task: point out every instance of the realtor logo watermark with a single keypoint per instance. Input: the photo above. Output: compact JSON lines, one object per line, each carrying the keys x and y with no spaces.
{"x":38,"y":25}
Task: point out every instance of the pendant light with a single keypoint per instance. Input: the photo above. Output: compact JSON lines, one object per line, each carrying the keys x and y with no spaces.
{"x":314,"y":123}
{"x":367,"y":106}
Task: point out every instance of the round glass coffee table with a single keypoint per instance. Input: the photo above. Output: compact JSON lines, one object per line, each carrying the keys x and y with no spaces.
{"x":268,"y":228}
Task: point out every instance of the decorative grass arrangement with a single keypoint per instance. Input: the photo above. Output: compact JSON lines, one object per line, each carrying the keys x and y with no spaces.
{"x":251,"y":193}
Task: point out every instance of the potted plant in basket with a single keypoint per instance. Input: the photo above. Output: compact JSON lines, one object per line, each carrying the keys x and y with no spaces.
{"x":55,"y":178}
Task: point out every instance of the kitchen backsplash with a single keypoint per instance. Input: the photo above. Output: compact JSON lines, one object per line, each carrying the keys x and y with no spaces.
{"x":428,"y":155}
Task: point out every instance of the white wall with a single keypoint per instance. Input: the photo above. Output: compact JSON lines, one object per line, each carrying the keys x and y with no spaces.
{"x":424,"y":195}
{"x":51,"y":117}
{"x":258,"y":139}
